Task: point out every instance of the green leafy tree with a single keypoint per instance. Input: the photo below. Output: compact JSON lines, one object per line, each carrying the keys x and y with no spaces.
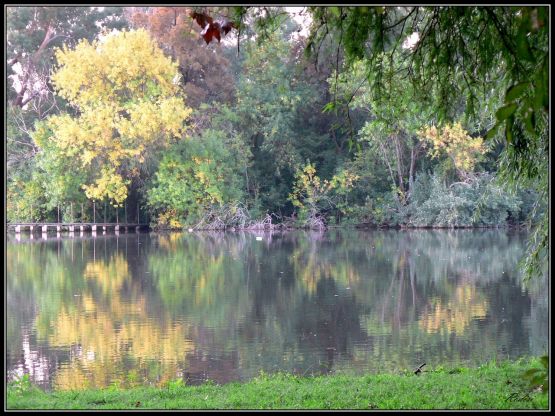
{"x":266,"y":120}
{"x":278,"y":114}
{"x":477,"y":202}
{"x":389,"y":133}
{"x":194,"y":176}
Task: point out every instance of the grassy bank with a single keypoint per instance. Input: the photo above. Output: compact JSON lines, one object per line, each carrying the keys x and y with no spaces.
{"x":491,"y":386}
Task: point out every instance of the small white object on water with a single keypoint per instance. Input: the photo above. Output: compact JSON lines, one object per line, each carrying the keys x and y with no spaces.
{"x":258,"y":238}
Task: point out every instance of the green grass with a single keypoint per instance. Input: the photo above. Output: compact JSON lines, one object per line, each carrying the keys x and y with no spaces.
{"x":491,"y":386}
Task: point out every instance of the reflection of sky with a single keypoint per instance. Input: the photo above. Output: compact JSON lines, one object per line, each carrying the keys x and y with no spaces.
{"x":33,"y":364}
{"x":149,"y":308}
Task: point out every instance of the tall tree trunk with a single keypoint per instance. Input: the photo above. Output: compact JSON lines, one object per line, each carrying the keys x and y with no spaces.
{"x":411,"y":170}
{"x":386,"y":160}
{"x":399,"y":159}
{"x":20,"y":99}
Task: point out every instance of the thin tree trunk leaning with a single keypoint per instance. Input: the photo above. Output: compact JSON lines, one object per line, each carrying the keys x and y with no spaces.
{"x":411,"y":169}
{"x":399,"y":163}
{"x":20,"y":100}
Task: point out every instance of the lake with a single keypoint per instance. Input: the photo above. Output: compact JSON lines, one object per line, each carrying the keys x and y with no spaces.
{"x":148,"y":308}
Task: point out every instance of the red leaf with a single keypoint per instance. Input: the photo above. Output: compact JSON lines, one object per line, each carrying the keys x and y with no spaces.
{"x":227,"y":26}
{"x":212,"y":30}
{"x":201,"y":18}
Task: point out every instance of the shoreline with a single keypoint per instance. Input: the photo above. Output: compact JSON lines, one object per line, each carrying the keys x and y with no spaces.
{"x":493,"y":385}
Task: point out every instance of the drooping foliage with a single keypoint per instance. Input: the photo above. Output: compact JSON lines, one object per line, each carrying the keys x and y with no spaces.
{"x":457,"y":56}
{"x":478,"y":202}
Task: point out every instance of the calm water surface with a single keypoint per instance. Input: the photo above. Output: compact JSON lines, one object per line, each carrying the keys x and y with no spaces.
{"x":147,"y":308}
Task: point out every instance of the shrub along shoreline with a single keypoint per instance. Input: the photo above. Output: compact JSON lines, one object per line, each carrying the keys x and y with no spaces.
{"x":490,"y":386}
{"x":355,"y":226}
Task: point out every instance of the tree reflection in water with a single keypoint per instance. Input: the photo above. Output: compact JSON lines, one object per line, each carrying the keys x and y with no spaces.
{"x":144,"y":309}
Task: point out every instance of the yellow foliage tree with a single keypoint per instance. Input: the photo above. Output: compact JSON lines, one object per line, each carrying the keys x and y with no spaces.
{"x":128,"y":101}
{"x":464,"y":151}
{"x":310,"y":193}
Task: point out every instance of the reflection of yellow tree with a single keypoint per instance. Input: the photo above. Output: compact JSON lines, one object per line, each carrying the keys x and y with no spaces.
{"x":310,"y":266}
{"x":465,"y":305}
{"x":107,"y":335}
{"x":109,"y":331}
{"x":110,"y":276}
{"x":432,"y":331}
{"x":310,"y":270}
{"x":170,"y":242}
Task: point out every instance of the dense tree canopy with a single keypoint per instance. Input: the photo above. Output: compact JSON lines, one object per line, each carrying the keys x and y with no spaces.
{"x":126,"y":96}
{"x":394,"y":115}
{"x":460,"y":55}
